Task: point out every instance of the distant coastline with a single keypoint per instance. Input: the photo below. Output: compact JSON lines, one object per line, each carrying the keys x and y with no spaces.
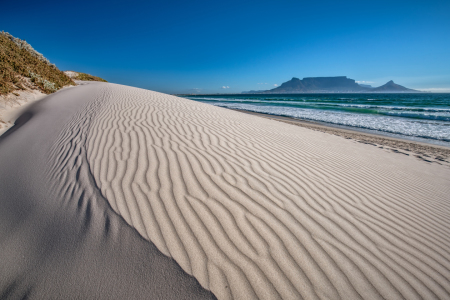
{"x":336,"y":84}
{"x":325,"y":85}
{"x":305,"y":93}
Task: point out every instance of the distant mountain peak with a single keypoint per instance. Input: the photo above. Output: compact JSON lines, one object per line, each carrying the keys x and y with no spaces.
{"x":391,"y":87}
{"x":336,"y":84}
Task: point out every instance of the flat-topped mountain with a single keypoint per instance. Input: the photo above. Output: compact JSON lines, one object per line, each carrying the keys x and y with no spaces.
{"x":338,"y":84}
{"x":326,"y":84}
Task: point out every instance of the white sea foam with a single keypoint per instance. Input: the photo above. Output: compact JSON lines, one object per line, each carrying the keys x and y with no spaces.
{"x":433,"y":129}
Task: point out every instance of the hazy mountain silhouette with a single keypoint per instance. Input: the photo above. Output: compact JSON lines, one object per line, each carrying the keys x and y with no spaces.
{"x":338,"y":84}
{"x":390,"y":86}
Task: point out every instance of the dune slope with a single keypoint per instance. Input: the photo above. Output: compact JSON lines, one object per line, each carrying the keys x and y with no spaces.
{"x":59,"y":238}
{"x":259,"y":209}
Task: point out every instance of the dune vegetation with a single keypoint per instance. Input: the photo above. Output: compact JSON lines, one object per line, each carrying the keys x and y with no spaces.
{"x":22,"y":68}
{"x":83,"y":76}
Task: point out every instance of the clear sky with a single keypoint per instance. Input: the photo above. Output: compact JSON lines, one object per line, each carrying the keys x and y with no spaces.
{"x":233,"y":46}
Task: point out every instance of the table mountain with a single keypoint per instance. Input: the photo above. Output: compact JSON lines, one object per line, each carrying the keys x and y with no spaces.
{"x":338,"y":84}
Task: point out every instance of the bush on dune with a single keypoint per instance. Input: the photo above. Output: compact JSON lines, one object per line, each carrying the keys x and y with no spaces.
{"x":87,"y":77}
{"x":18,"y":61}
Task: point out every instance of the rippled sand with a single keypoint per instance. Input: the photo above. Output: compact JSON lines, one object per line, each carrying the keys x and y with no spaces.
{"x":254,"y":208}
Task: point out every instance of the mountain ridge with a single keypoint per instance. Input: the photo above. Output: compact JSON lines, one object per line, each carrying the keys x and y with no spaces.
{"x":336,"y":84}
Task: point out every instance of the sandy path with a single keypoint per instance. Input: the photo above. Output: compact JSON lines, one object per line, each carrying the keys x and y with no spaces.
{"x":254,"y":208}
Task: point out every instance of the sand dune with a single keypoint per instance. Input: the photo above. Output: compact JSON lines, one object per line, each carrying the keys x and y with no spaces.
{"x":59,"y":238}
{"x":252,"y":208}
{"x":11,"y":105}
{"x":259,"y":209}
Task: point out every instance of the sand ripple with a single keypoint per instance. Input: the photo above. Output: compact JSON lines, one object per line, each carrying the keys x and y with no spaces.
{"x":258,"y":209}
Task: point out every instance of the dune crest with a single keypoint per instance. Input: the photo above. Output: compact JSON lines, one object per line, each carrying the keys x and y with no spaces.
{"x":259,"y":209}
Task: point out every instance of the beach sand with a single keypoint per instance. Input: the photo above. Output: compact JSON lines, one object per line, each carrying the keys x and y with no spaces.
{"x":427,"y":152}
{"x":110,"y":191}
{"x":12,"y":104}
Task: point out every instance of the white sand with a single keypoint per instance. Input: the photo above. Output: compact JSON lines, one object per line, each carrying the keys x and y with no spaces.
{"x":11,"y":106}
{"x":252,"y":208}
{"x":65,"y":242}
{"x":259,"y":209}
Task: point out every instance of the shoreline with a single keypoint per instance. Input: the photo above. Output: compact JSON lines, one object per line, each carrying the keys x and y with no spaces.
{"x":423,"y":151}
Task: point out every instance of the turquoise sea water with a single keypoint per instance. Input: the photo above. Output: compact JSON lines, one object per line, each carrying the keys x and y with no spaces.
{"x":422,"y":116}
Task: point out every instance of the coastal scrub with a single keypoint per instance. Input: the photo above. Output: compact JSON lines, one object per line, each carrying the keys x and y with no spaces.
{"x":22,"y":67}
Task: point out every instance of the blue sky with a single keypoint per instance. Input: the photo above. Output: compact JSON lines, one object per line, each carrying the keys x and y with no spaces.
{"x":203,"y":46}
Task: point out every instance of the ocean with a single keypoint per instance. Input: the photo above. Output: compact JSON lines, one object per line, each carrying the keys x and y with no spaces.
{"x":422,"y":117}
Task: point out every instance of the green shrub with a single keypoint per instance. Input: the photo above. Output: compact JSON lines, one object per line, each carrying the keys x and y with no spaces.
{"x":18,"y":58}
{"x":87,"y":77}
